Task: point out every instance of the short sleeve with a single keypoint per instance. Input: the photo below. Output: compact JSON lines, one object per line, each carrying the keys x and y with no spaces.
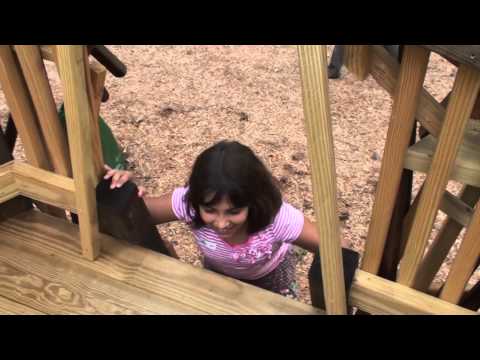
{"x":288,"y":223}
{"x":179,"y":204}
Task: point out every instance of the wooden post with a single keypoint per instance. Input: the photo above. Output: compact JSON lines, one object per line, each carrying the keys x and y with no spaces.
{"x":385,"y":70}
{"x":460,"y":107}
{"x":410,"y":83}
{"x":442,"y":244}
{"x":357,"y":60}
{"x":402,"y":219}
{"x":37,"y":81}
{"x":395,"y":242}
{"x":21,"y":107}
{"x":71,"y":60}
{"x":464,"y":263}
{"x":400,"y":228}
{"x":313,"y":69}
{"x":95,"y":74}
{"x":437,"y":253}
{"x":96,"y":80}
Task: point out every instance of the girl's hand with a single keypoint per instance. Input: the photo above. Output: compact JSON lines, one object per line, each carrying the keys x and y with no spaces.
{"x":120,"y":177}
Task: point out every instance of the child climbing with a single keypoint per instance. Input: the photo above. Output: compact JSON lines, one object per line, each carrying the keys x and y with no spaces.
{"x":241,"y":225}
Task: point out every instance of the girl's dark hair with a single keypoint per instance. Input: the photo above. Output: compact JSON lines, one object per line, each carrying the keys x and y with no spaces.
{"x":232,"y":169}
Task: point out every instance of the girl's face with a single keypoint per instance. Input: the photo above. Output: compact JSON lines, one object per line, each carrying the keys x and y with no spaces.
{"x":224,"y":218}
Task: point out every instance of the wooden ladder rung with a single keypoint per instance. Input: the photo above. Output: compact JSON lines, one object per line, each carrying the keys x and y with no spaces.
{"x":467,"y":163}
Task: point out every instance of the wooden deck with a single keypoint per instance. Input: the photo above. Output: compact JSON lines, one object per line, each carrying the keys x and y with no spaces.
{"x":42,"y":272}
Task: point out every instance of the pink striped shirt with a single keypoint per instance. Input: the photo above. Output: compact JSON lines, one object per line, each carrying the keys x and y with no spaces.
{"x":259,"y":255}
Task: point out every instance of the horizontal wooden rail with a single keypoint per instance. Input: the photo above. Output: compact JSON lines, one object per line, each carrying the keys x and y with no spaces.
{"x":17,"y":178}
{"x":379,"y":296}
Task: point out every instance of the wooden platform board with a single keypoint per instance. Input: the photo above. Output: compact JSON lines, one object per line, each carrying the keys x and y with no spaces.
{"x":42,"y":271}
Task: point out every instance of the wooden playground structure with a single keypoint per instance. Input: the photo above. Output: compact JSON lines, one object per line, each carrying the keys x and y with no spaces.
{"x":50,"y":264}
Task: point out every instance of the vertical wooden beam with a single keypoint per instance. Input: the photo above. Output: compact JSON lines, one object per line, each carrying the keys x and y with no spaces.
{"x":385,"y":69}
{"x":460,"y":107}
{"x":400,"y":225}
{"x":20,"y":104}
{"x":37,"y":81}
{"x":23,"y":114}
{"x":395,"y":242}
{"x":464,"y":263}
{"x":409,"y":85}
{"x":96,"y":74}
{"x":400,"y":228}
{"x":71,"y":60}
{"x":442,"y":243}
{"x":357,"y":60}
{"x":408,"y":221}
{"x":313,"y":69}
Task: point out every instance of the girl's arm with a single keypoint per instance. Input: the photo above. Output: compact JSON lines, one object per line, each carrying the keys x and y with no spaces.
{"x":309,"y":238}
{"x":159,"y":207}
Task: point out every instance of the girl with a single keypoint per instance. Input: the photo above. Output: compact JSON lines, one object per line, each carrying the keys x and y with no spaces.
{"x":239,"y":221}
